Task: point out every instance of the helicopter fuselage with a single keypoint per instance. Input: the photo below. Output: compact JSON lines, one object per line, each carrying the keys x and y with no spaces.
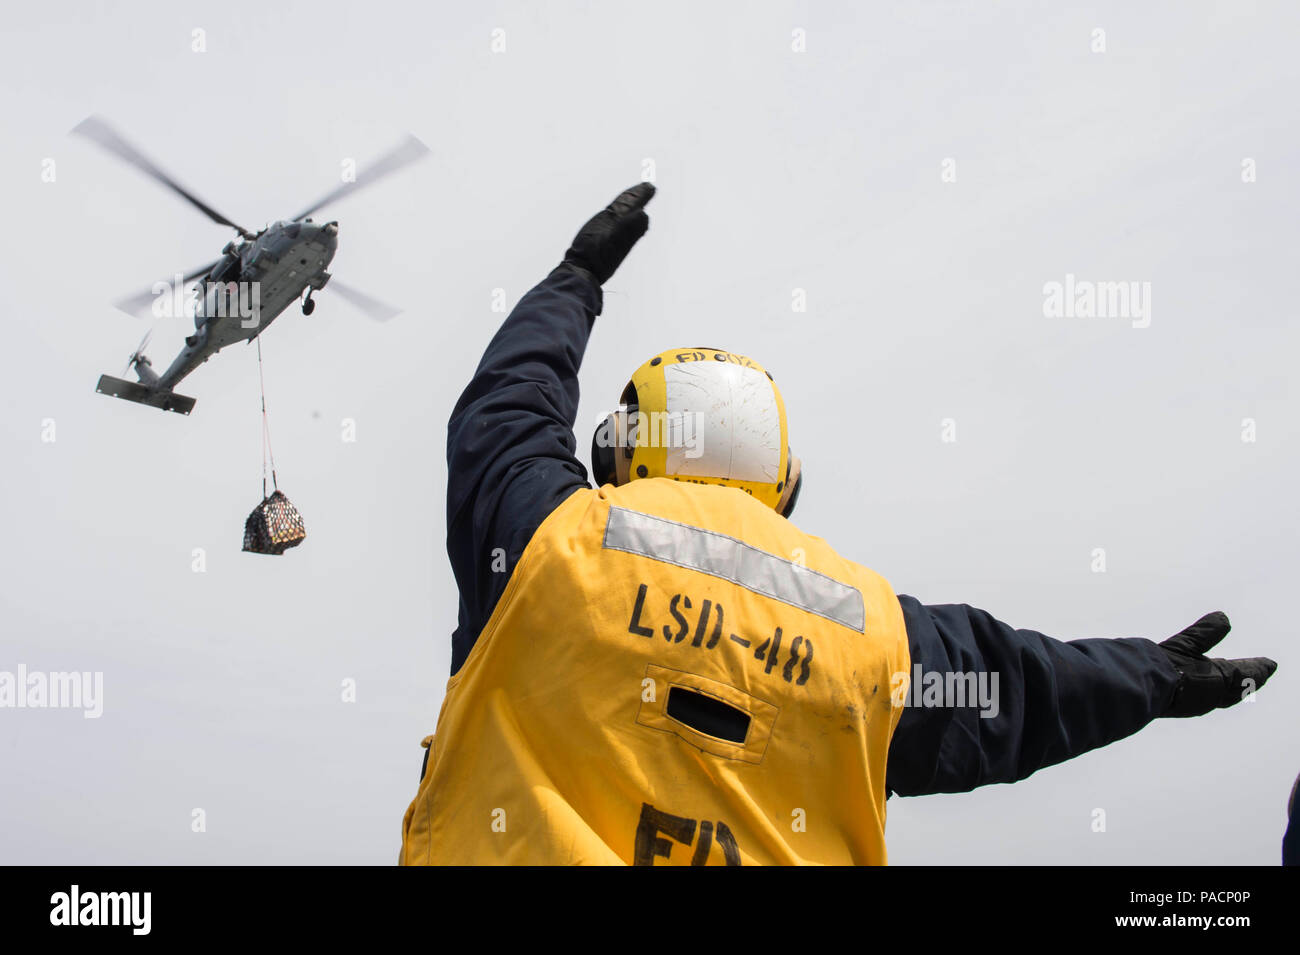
{"x":248,"y":288}
{"x":257,"y":277}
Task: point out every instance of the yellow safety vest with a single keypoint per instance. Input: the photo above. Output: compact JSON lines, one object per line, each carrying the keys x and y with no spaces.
{"x":675,"y":674}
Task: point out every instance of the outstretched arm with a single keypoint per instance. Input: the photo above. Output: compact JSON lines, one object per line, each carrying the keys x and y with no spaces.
{"x":510,"y":446}
{"x":1054,"y":700}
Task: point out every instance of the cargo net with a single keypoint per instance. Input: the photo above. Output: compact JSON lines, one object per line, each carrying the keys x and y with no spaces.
{"x":274,"y":526}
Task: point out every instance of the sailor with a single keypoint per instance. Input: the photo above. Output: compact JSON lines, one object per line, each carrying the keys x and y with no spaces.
{"x":663,"y":668}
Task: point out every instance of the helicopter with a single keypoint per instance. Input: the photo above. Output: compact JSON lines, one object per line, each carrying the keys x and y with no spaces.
{"x":258,"y":275}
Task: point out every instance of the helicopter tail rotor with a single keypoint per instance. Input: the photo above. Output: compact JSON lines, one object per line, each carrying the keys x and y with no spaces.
{"x":140,"y":362}
{"x":145,"y":391}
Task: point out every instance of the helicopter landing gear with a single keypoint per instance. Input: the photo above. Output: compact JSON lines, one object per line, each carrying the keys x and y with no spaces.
{"x":308,"y":304}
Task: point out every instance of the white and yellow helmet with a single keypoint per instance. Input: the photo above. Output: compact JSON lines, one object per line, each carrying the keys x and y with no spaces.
{"x":705,"y":416}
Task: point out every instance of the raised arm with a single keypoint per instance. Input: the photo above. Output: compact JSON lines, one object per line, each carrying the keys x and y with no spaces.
{"x":1054,"y":700}
{"x":510,"y":445}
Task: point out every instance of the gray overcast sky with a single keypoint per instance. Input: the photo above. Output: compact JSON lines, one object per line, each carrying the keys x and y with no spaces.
{"x":818,"y":170}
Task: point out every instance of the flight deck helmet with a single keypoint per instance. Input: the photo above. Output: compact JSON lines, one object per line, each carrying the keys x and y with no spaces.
{"x":705,"y":416}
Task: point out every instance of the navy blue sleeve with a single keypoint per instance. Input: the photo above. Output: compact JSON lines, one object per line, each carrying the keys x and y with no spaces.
{"x":1054,"y":700}
{"x":510,"y":444}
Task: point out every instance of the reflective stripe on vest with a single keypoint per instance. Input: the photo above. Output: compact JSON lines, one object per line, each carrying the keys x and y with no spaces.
{"x":722,"y":556}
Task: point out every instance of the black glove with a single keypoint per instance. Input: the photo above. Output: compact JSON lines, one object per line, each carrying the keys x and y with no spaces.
{"x":1206,"y":683}
{"x":603,"y":243}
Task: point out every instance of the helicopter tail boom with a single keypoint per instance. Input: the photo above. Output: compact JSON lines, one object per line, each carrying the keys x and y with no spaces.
{"x":141,"y":394}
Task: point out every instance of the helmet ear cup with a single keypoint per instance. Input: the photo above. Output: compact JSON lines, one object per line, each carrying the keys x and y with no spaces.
{"x":793,"y":485}
{"x":602,"y":453}
{"x":611,"y":449}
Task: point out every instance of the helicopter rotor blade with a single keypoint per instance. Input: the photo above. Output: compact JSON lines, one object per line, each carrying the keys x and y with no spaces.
{"x":407,"y":152}
{"x":373,"y":307}
{"x":135,"y":355}
{"x":135,"y":304}
{"x":98,"y":131}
